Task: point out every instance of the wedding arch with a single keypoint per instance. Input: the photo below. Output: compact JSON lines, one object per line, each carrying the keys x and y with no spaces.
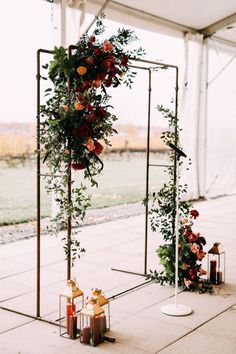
{"x":138,"y":64}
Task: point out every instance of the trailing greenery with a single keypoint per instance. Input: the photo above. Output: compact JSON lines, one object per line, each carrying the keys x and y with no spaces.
{"x":78,"y":120}
{"x":162,"y":219}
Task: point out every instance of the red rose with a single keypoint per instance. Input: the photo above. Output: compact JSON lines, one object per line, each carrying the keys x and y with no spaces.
{"x":78,"y":166}
{"x":194,"y":213}
{"x":90,"y":107}
{"x":97,"y":51}
{"x":98,"y":148}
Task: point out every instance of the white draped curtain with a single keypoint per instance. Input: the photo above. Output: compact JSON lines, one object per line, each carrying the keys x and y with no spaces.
{"x":192,"y":114}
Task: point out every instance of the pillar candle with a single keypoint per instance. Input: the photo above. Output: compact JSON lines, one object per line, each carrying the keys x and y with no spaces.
{"x":70,"y":309}
{"x":86,"y":335}
{"x":213,"y":271}
{"x":219,"y":277}
{"x":72,"y":325}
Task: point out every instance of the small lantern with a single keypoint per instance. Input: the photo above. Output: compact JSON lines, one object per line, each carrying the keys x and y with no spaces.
{"x":104,"y":303}
{"x":73,"y":302}
{"x":216,"y":264}
{"x":92,"y":323}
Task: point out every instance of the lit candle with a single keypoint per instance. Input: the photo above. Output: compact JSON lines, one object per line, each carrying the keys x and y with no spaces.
{"x":70,"y":309}
{"x":213,"y":271}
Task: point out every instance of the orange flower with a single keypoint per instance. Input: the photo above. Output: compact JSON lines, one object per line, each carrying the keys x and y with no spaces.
{"x":78,"y":106}
{"x":107,"y":46}
{"x":97,"y":83}
{"x":81,"y":70}
{"x":90,"y":145}
{"x":66,"y":108}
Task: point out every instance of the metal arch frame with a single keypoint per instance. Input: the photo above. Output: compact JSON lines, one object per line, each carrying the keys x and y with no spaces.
{"x":152,"y":64}
{"x":148,"y":165}
{"x":38,"y":196}
{"x":39,"y":175}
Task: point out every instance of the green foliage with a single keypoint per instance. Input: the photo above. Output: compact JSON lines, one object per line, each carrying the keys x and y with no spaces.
{"x":162,"y":219}
{"x":78,"y":121}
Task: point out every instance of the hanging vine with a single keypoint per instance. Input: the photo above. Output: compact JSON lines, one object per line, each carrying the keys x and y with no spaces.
{"x":162,"y":216}
{"x":78,"y":120}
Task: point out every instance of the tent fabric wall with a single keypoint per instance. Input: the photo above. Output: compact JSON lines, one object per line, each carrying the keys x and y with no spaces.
{"x":190,"y":118}
{"x":197,"y":113}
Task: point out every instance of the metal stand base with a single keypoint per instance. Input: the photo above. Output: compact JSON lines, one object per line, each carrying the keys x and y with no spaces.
{"x":176,"y":310}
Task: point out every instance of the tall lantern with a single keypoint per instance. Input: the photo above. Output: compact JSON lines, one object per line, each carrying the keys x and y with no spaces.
{"x":216,"y":264}
{"x":71,"y":300}
{"x":92,"y":323}
{"x":104,"y":303}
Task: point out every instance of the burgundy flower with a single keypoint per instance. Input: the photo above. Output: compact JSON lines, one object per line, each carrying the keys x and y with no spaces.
{"x":78,"y":166}
{"x":194,"y":213}
{"x":97,"y":51}
{"x":92,"y":117}
{"x":101,"y":76}
{"x":108,"y":62}
{"x":192,"y":237}
{"x":92,"y":39}
{"x":84,"y":131}
{"x":102,"y":113}
{"x":124,"y":60}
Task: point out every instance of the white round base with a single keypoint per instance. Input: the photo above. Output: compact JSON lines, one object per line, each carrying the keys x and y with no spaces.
{"x":176,"y":310}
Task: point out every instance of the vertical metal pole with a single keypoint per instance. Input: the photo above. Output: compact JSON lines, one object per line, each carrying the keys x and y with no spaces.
{"x":38,"y":189}
{"x":147,"y":169}
{"x":177,"y":230}
{"x":176,"y":141}
{"x":69,"y":195}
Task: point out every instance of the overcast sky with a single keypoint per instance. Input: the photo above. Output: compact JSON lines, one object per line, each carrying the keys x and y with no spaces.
{"x":26,"y":25}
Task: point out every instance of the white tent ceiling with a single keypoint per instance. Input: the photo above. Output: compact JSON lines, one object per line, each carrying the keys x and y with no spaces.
{"x":210,"y":17}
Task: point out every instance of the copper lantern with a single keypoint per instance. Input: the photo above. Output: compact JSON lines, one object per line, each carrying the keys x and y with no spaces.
{"x":92,"y":323}
{"x":216,"y":264}
{"x":71,"y":300}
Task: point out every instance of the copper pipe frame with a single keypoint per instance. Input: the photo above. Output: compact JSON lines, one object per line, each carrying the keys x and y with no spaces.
{"x":69,"y":228}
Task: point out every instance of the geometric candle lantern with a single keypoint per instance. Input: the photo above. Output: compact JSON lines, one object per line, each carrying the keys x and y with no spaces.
{"x":92,"y":323}
{"x":216,"y":264}
{"x":71,"y":300}
{"x":103,"y":302}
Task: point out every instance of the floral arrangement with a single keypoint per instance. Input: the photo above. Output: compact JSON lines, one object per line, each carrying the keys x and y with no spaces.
{"x":77,"y":116}
{"x":162,"y":218}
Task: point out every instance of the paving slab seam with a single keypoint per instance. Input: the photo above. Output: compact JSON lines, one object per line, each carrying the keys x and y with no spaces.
{"x":30,"y":270}
{"x":194,"y":329}
{"x":11,"y":329}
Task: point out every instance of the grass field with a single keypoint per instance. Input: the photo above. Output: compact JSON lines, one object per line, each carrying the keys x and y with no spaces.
{"x":122,"y":181}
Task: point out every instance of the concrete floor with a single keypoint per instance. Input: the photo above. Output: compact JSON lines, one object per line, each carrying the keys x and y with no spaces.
{"x":136,"y":319}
